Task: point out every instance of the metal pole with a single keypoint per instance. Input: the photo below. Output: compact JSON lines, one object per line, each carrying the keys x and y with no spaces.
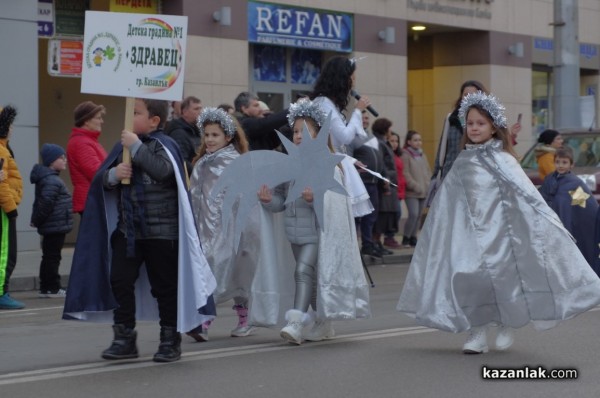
{"x":566,"y":65}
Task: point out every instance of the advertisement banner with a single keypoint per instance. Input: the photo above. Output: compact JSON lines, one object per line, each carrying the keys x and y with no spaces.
{"x":287,"y":26}
{"x":134,"y":55}
{"x":65,"y":57}
{"x":136,"y":6}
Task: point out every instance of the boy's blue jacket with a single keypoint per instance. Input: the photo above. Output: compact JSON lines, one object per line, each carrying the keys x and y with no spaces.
{"x":578,"y":217}
{"x":89,"y":295}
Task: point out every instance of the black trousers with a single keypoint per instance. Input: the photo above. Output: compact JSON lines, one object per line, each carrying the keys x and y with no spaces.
{"x":52,"y":245}
{"x":160,"y":257}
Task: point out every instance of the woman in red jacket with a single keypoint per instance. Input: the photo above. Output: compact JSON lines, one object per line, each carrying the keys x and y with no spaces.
{"x":394,"y":140}
{"x":84,"y":152}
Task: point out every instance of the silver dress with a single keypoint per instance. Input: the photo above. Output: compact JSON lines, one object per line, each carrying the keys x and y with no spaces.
{"x":233,"y":270}
{"x":492,"y":251}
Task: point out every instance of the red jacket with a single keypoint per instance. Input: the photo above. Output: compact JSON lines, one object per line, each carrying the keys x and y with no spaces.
{"x":85,"y":155}
{"x":401,"y":180}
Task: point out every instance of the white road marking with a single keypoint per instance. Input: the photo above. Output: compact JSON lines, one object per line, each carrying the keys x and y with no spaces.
{"x":144,"y":362}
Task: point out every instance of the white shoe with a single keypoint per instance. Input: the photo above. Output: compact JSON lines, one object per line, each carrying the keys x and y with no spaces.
{"x":60,"y":293}
{"x":292,"y":332}
{"x":476,"y":342}
{"x":505,"y":338}
{"x":242,"y":330}
{"x":321,"y":330}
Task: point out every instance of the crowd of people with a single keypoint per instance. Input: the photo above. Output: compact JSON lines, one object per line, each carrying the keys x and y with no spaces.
{"x":161,"y":237}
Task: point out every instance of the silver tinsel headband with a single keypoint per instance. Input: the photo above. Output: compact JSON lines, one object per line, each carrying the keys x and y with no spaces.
{"x":219,"y":116}
{"x":489,"y":103}
{"x":304,"y":108}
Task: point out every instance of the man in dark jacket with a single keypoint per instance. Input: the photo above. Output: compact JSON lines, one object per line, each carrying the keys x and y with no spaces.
{"x":368,"y":153}
{"x":184,"y":130}
{"x":259,"y":130}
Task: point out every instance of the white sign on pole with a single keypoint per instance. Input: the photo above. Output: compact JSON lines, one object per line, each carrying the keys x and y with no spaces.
{"x":134,"y":55}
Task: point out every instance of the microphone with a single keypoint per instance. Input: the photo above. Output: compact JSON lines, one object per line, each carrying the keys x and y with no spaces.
{"x":369,"y":108}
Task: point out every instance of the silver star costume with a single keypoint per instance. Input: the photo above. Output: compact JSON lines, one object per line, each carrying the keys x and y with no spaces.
{"x":233,"y":271}
{"x":492,"y":251}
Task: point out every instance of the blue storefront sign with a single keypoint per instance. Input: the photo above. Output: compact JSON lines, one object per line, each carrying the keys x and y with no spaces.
{"x":299,"y":27}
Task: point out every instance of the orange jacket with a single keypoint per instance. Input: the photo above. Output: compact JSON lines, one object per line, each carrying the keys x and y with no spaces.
{"x":11,"y":189}
{"x":545,"y":160}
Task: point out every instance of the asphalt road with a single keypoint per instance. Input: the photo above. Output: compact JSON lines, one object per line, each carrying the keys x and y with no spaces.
{"x":385,"y":356}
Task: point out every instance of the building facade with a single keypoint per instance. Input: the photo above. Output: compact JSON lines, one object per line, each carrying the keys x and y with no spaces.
{"x":277,"y":48}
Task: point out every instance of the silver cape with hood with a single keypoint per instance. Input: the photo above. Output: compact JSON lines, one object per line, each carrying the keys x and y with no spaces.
{"x":492,"y":251}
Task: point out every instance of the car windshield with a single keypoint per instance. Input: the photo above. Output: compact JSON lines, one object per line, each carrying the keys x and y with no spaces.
{"x":586,"y":151}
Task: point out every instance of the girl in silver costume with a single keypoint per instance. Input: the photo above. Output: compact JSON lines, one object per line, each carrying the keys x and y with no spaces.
{"x":318,"y":273}
{"x":222,"y":142}
{"x":491,"y":252}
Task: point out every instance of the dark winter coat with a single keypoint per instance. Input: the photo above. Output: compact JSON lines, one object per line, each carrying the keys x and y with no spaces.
{"x":387,"y":201}
{"x":187,"y":136}
{"x":152,"y":194}
{"x":53,"y":207}
{"x":260,"y":131}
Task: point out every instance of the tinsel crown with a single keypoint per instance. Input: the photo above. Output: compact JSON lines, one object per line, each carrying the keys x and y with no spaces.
{"x":217,"y":115}
{"x":305,"y":108}
{"x":489,"y":103}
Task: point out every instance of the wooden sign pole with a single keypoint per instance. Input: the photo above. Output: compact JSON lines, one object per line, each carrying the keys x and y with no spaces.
{"x":129,"y":105}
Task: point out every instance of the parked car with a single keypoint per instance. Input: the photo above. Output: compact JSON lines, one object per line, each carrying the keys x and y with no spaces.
{"x":586,"y":156}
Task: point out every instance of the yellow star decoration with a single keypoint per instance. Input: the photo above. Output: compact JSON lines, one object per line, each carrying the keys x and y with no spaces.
{"x":578,"y":197}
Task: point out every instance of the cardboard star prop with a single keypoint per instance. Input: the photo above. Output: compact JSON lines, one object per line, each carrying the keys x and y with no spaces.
{"x":308,"y":165}
{"x":579,"y":197}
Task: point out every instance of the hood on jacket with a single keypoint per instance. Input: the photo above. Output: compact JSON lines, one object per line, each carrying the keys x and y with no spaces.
{"x":39,"y":172}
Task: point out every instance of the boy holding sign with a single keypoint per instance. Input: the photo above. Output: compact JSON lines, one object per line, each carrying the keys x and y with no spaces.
{"x":149,"y":230}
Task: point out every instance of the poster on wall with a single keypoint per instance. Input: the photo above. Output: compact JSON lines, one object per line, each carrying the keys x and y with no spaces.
{"x":65,"y":58}
{"x":134,"y":6}
{"x":306,"y":66}
{"x":269,"y":64}
{"x":70,"y":16}
{"x":134,"y":55}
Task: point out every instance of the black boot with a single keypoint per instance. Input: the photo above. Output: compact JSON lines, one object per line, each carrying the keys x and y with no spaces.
{"x":384,"y":252}
{"x":369,"y":249}
{"x":123,"y":346}
{"x":169,"y":349}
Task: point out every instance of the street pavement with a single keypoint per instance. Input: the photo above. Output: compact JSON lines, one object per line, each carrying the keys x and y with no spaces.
{"x":387,"y":355}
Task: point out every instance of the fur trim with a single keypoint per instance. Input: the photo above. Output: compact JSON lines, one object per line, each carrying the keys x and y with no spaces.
{"x":295,"y":315}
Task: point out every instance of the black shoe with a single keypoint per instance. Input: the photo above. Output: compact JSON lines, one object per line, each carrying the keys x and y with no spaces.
{"x":379,"y":247}
{"x":169,"y":349}
{"x":124,"y":344}
{"x":412,"y":241}
{"x":405,"y":241}
{"x":369,"y":249}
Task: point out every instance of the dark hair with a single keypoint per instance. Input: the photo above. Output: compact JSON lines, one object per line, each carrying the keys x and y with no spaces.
{"x":334,"y":81}
{"x":397,"y":151}
{"x":381,"y":126}
{"x":158,"y":108}
{"x":226,"y":107}
{"x":469,"y":83}
{"x":501,"y":133}
{"x":189,"y":101}
{"x":243,"y":99}
{"x":564,"y":152}
{"x":547,"y":136}
{"x":409,"y":136}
